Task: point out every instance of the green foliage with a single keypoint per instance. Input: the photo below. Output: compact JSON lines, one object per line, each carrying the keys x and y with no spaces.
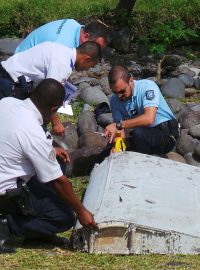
{"x":19,"y":17}
{"x":169,"y":32}
{"x":157,"y":48}
{"x":165,"y":22}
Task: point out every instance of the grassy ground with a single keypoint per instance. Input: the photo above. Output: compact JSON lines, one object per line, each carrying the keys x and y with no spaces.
{"x":47,"y":257}
{"x":68,"y":260}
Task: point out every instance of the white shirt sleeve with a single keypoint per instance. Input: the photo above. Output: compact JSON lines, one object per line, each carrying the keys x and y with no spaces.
{"x":40,"y":152}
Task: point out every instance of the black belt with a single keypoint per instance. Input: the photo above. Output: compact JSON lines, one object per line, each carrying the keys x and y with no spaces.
{"x":170,"y":127}
{"x":22,"y":89}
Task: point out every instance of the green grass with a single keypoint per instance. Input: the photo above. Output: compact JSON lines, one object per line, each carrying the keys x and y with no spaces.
{"x":21,"y":16}
{"x":59,"y":259}
{"x":47,"y":257}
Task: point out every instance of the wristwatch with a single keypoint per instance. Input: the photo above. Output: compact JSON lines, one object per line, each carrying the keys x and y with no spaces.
{"x":119,"y":125}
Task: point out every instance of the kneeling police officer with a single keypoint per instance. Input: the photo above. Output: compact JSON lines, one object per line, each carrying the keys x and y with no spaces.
{"x":139,"y":106}
{"x":36,"y":199}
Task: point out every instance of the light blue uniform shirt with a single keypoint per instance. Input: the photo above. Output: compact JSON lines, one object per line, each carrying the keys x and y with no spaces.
{"x":66,"y":32}
{"x":146,"y":94}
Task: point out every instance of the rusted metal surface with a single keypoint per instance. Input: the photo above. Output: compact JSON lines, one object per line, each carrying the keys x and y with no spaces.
{"x":142,"y":204}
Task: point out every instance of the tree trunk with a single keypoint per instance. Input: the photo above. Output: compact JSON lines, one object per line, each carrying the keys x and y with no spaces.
{"x":126,"y":5}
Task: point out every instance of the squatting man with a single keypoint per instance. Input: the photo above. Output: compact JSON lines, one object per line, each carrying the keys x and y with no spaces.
{"x":139,"y":106}
{"x":36,"y":199}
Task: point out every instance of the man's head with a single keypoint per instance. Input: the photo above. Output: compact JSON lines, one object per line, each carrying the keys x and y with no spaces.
{"x":97,"y":32}
{"x":48,"y":96}
{"x":88,"y":55}
{"x":121,"y":82}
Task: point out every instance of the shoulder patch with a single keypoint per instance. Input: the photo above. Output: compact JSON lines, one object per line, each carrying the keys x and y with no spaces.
{"x":150,"y":94}
{"x":52,"y":155}
{"x":48,"y":135}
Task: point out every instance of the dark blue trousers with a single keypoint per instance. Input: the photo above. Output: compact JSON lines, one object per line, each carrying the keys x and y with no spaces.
{"x":50,"y":214}
{"x":6,"y":87}
{"x":150,"y":141}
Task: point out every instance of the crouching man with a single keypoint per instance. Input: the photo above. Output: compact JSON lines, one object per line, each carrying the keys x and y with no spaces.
{"x":139,"y":105}
{"x":36,"y":199}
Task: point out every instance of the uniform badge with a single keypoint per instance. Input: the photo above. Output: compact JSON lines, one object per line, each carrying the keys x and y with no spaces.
{"x":150,"y":94}
{"x":52,"y":155}
{"x":134,"y":112}
{"x":48,"y":135}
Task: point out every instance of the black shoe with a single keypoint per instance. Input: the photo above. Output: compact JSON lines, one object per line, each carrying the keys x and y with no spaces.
{"x":51,"y":240}
{"x":4,"y":234}
{"x":57,"y":240}
{"x":5,"y":249}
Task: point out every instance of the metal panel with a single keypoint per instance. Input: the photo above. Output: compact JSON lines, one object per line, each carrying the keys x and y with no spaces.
{"x":142,"y":204}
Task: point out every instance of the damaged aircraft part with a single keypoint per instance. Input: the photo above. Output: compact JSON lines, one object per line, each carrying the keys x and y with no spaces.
{"x":142,"y":204}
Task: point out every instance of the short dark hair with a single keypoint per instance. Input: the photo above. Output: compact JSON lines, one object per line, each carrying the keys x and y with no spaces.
{"x":49,"y":93}
{"x":92,"y":49}
{"x":118,"y":72}
{"x":96,"y":30}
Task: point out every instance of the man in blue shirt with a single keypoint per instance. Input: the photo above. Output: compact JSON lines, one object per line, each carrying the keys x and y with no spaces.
{"x":140,"y":106}
{"x":67,"y":32}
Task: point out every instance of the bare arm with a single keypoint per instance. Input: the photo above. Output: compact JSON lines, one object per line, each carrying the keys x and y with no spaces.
{"x":145,"y":119}
{"x":57,"y":126}
{"x":64,"y":189}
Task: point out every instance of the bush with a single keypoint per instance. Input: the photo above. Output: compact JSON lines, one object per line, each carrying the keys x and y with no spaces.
{"x":19,"y":17}
{"x":160,"y":23}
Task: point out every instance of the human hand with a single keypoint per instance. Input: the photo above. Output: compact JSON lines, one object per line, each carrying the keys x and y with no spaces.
{"x":58,"y":129}
{"x":87,"y":219}
{"x":62,"y":154}
{"x":110,"y":132}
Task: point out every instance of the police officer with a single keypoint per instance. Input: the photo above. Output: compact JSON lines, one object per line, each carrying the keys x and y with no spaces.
{"x":46,"y":205}
{"x":67,"y":32}
{"x":140,"y":106}
{"x":46,"y":60}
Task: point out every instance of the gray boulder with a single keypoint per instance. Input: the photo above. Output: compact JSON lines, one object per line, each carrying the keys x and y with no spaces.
{"x":192,"y":160}
{"x":187,"y":80}
{"x":8,"y":45}
{"x":195,"y":108}
{"x":149,"y":70}
{"x":86,"y":123}
{"x":70,"y":140}
{"x":92,"y":139}
{"x":82,"y":161}
{"x":190,"y":92}
{"x":186,"y":144}
{"x":174,"y":88}
{"x":105,"y":86}
{"x":172,"y":60}
{"x":104,"y":119}
{"x":195,"y":131}
{"x":176,"y":106}
{"x":175,"y":156}
{"x":82,"y":86}
{"x":189,"y":119}
{"x":184,"y":69}
{"x":96,"y":71}
{"x":197,"y":83}
{"x":197,"y":151}
{"x":93,"y":96}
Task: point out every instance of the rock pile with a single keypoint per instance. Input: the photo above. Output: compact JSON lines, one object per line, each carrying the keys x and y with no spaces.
{"x":93,"y":89}
{"x":180,"y":80}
